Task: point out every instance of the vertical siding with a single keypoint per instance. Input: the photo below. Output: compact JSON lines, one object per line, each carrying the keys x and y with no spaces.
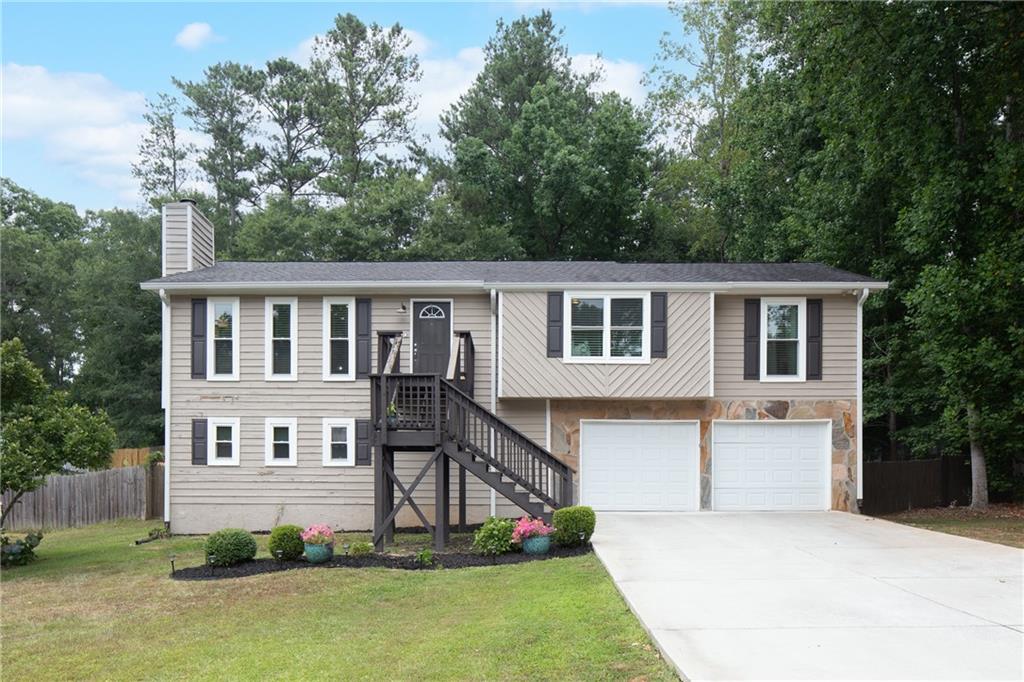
{"x":258,"y":497}
{"x":527,"y":372}
{"x":175,"y":236}
{"x":839,"y":354}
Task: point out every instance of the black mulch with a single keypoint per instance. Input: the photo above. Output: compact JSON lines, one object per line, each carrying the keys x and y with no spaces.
{"x":402,"y":561}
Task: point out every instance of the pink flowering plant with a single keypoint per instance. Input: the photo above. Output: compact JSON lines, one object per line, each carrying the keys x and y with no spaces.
{"x":530,"y":528}
{"x":318,"y":534}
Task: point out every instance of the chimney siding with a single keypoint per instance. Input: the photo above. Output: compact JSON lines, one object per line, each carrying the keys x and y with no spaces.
{"x":188,"y":238}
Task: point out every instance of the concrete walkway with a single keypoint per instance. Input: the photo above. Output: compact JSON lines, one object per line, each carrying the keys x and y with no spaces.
{"x":817,"y":595}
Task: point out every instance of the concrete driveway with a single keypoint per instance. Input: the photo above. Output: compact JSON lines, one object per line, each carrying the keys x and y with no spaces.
{"x":817,"y":595}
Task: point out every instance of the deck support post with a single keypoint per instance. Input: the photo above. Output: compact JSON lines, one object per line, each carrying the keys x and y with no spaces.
{"x":380,"y":501}
{"x":389,"y":496}
{"x":442,"y":502}
{"x":462,"y":499}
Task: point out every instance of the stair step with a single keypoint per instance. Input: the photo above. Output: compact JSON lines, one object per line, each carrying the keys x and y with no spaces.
{"x":494,"y":479}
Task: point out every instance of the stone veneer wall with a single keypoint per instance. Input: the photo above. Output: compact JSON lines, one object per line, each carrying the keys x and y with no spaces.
{"x":566,"y":416}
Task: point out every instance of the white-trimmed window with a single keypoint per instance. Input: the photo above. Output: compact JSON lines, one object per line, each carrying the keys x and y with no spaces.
{"x":339,"y":442}
{"x":222,"y":441}
{"x":783,"y":339}
{"x":281,"y":329}
{"x":607,"y":327}
{"x":339,"y":338}
{"x":222,"y":339}
{"x":279,"y":442}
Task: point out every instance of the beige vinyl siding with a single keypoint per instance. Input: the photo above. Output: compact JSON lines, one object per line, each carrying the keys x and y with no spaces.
{"x":202,"y":240}
{"x":839,"y":354}
{"x":175,"y":236}
{"x":254,"y":496}
{"x":529,"y":417}
{"x":527,"y":372}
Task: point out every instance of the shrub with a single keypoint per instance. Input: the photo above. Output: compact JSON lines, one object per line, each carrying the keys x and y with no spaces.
{"x":19,"y":552}
{"x":286,"y":542}
{"x":360,"y":549}
{"x":425,"y":557}
{"x":494,"y":537}
{"x":569,"y":522}
{"x":230,"y":546}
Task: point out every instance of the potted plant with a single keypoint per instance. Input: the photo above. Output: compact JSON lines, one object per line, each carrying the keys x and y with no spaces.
{"x":319,"y":543}
{"x":392,"y":415}
{"x":533,"y":535}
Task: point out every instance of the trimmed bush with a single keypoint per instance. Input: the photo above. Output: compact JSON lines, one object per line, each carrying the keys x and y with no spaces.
{"x":569,"y":522}
{"x":287,"y":540}
{"x":360,"y":549}
{"x":494,"y":537}
{"x":230,"y":546}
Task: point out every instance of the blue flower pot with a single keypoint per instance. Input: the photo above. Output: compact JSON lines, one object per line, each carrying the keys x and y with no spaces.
{"x":537,"y":545}
{"x":317,"y":554}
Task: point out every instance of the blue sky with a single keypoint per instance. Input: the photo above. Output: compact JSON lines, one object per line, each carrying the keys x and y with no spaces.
{"x":76,"y":76}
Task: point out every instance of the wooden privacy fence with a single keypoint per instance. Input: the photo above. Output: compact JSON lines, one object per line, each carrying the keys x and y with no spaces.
{"x":130,"y":457}
{"x":891,"y":487}
{"x":69,"y":500}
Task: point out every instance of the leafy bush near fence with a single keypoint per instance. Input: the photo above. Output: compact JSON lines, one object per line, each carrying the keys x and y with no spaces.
{"x":286,"y":542}
{"x":19,"y":552}
{"x":573,"y":525}
{"x":360,"y":549}
{"x":494,"y":537}
{"x":230,"y":546}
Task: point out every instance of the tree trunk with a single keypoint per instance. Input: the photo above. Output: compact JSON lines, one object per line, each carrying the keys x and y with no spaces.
{"x":10,"y":507}
{"x":979,"y":476}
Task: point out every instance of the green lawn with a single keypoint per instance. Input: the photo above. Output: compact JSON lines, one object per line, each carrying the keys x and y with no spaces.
{"x":94,"y":606}
{"x":1002,"y":523}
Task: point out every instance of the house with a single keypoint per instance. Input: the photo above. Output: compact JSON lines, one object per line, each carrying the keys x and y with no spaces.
{"x":324,"y":392}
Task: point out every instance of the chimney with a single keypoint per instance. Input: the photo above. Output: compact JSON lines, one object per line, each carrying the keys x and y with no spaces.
{"x":186,"y":238}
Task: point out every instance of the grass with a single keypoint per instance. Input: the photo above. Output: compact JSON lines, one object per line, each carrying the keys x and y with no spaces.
{"x":95,"y":606}
{"x":1000,"y":523}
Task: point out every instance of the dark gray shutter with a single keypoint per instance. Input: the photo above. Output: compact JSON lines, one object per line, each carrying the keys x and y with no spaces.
{"x":814,"y":310}
{"x":659,"y":324}
{"x":199,"y":338}
{"x":363,"y":457}
{"x":752,"y":338}
{"x":363,"y":326}
{"x":199,"y":436}
{"x":555,"y":324}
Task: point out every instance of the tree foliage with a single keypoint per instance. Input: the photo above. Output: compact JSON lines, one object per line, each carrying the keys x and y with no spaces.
{"x":162,"y":169}
{"x":41,"y":430}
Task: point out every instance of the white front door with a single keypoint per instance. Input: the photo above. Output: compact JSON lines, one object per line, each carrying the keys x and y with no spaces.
{"x":771,"y":465}
{"x":635,"y":465}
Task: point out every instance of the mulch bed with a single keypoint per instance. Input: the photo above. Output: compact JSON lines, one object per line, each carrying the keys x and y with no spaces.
{"x":406,"y":562}
{"x":995,"y":511}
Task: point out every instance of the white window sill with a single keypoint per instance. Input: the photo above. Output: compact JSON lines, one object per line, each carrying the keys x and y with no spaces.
{"x":215,"y":463}
{"x":280,"y":464}
{"x":340,"y":465}
{"x":222,"y":377}
{"x":282,"y":377}
{"x":339,"y":377}
{"x":606,"y":361}
{"x":782,"y":380}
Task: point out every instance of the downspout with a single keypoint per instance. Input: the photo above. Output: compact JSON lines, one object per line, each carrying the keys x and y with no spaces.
{"x":494,"y":380}
{"x":860,"y":392}
{"x":165,"y":397}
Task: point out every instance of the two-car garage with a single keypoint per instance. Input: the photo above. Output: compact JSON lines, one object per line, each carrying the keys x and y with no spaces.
{"x":634,"y":465}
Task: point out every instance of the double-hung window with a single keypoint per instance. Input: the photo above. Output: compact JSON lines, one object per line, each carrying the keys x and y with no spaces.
{"x":281,"y":330}
{"x":339,"y":450}
{"x":783,"y":339}
{"x":609,"y":328}
{"x":339,"y":338}
{"x":222,"y":441}
{"x":279,"y":441}
{"x":222,"y":339}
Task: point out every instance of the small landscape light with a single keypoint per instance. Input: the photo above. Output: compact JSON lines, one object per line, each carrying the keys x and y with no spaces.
{"x":583,"y":536}
{"x":278,"y":553}
{"x":345,"y":548}
{"x":172,"y":558}
{"x":212,"y":560}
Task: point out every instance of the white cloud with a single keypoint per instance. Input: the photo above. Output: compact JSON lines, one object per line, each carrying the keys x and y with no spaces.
{"x":196,"y":35}
{"x":617,"y":75}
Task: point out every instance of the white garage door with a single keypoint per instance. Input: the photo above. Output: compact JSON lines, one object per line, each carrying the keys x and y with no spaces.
{"x":780,"y":466}
{"x":639,"y":465}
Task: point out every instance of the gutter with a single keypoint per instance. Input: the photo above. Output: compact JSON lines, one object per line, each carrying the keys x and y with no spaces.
{"x":863,"y":296}
{"x":494,"y":379}
{"x":165,"y":396}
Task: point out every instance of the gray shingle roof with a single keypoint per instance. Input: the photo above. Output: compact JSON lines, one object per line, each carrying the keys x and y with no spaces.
{"x":511,"y":272}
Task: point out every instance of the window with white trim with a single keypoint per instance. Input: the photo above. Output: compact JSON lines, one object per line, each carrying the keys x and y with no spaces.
{"x":279,"y":441}
{"x":339,"y":442}
{"x":222,"y":441}
{"x":281,"y":342}
{"x":339,"y":338}
{"x":609,"y":328}
{"x":222,"y":339}
{"x":783,"y":339}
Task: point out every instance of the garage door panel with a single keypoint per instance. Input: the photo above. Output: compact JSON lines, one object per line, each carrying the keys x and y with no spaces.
{"x":639,"y":466}
{"x":770,"y":466}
